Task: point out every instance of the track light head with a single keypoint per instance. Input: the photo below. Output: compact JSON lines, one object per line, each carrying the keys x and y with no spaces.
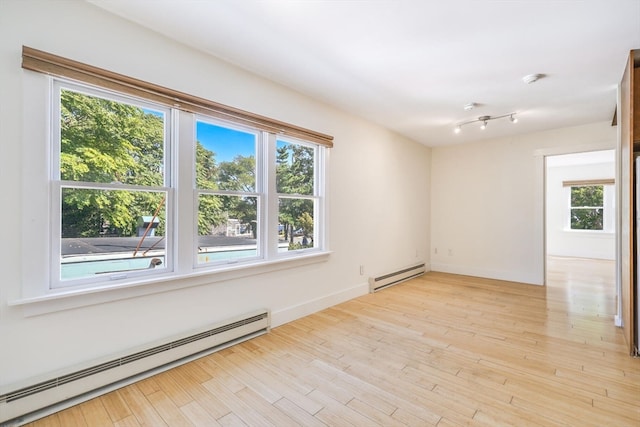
{"x":484,"y":120}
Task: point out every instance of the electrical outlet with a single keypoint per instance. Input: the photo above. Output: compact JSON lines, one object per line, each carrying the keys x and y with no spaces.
{"x":435,"y":251}
{"x":362,"y":270}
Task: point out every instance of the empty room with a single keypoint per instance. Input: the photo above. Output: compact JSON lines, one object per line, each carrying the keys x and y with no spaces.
{"x":319,"y":213}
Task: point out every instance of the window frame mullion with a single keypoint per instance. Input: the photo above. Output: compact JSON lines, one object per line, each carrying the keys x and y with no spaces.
{"x":270,"y":195}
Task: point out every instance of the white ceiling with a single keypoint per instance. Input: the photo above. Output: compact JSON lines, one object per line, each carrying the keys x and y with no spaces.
{"x":411,"y":65}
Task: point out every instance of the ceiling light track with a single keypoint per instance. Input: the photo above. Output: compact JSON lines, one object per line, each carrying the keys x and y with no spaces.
{"x":484,"y":120}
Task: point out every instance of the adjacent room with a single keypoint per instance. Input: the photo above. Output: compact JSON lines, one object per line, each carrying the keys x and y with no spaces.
{"x":319,"y":213}
{"x":580,"y":215}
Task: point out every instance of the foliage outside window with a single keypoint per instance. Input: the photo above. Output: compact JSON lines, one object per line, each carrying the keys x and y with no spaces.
{"x":296,"y":202}
{"x":587,"y":207}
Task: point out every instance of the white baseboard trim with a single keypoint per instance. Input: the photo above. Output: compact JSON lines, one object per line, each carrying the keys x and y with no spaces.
{"x":288,"y":314}
{"x":617,"y":321}
{"x":485,"y":273}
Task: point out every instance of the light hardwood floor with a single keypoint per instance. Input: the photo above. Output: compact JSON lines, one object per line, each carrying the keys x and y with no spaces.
{"x":440,"y":350}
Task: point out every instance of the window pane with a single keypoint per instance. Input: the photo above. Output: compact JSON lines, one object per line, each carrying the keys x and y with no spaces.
{"x":591,"y":196}
{"x":109,"y":141}
{"x":227,"y":227}
{"x":295,"y":224}
{"x":294,"y":170}
{"x":107,"y":231}
{"x":225,"y":158}
{"x":587,"y":219}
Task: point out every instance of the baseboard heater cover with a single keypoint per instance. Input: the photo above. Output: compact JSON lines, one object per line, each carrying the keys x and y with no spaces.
{"x":390,"y":279}
{"x":21,"y":401}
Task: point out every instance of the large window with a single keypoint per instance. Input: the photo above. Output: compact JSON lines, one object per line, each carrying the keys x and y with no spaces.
{"x":114,"y":196}
{"x":138,"y":174}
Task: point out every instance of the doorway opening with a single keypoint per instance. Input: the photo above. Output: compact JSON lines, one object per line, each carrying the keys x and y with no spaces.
{"x":580,"y":219}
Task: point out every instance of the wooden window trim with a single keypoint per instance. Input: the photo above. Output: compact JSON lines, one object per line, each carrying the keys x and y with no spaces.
{"x":44,"y":62}
{"x":588,"y":182}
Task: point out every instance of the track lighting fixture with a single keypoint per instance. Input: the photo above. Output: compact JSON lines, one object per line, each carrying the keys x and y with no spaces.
{"x":485,"y":120}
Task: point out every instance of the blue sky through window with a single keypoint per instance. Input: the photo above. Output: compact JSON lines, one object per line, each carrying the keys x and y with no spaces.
{"x":280,"y":144}
{"x":154,"y":112}
{"x":226,"y":143}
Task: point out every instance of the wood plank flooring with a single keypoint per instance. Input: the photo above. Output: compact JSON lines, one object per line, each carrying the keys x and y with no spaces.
{"x":440,"y":350}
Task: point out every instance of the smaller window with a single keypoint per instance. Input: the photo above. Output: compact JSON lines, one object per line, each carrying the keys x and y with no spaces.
{"x":298,"y":199}
{"x":587,"y":207}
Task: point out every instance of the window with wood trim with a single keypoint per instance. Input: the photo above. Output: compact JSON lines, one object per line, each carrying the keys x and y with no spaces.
{"x":140,"y":172}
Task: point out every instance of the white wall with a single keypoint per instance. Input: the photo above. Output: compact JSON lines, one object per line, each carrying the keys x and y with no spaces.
{"x":378,"y":195}
{"x":487,"y":201}
{"x":561,"y":240}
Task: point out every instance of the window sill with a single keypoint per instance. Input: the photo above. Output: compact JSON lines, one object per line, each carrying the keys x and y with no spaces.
{"x":65,"y":299}
{"x":590,"y":233}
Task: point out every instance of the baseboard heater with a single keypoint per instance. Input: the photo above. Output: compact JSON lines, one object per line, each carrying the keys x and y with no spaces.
{"x":28,"y":402}
{"x":390,"y":279}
